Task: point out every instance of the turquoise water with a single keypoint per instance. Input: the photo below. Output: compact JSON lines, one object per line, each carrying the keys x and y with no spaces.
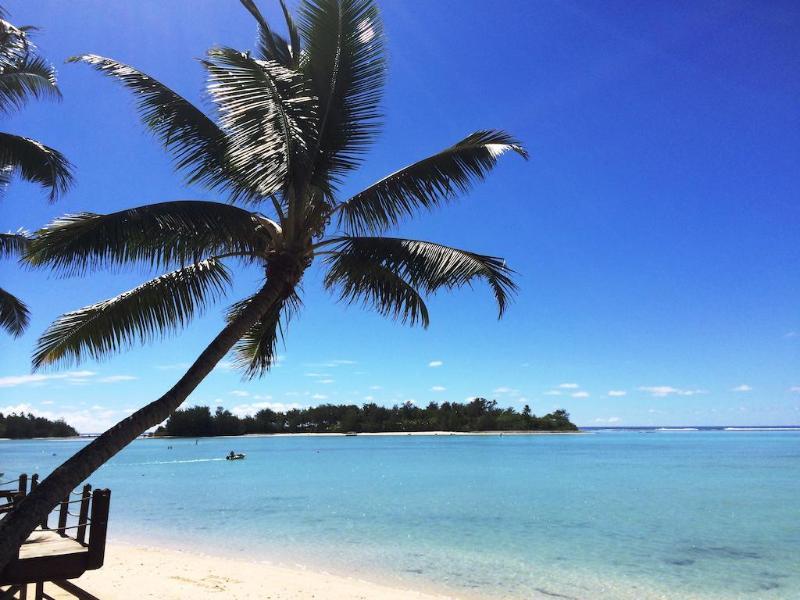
{"x":601,"y":515}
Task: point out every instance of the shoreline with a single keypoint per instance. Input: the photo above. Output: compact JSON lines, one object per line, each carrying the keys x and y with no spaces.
{"x":133,"y":571}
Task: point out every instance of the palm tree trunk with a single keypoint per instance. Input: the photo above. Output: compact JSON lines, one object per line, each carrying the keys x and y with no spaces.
{"x":18,"y":524}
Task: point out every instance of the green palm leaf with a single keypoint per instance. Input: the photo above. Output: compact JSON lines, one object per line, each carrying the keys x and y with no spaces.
{"x":271,"y":46}
{"x":161,"y":235}
{"x":427,"y":183}
{"x":14,"y":243}
{"x":428,"y":267}
{"x":357,"y":278}
{"x":196,"y":143}
{"x":344,"y":61}
{"x":34,"y":162}
{"x":29,"y":77}
{"x":14,"y":316}
{"x":256,"y":351}
{"x":267,"y":114}
{"x":153,"y":309}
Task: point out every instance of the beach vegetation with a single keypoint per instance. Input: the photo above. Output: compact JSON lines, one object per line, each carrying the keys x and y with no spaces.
{"x":26,"y":426}
{"x":477,"y":415}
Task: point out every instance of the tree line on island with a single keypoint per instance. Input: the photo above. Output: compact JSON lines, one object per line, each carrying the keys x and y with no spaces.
{"x":21,"y":426}
{"x":478,"y":415}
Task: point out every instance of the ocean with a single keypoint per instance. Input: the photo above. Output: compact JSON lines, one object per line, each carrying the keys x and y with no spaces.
{"x":643,"y":513}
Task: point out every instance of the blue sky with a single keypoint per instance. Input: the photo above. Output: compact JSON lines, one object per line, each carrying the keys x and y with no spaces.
{"x":654,"y":230}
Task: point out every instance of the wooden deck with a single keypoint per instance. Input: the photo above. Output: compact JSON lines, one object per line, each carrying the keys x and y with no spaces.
{"x":49,"y":543}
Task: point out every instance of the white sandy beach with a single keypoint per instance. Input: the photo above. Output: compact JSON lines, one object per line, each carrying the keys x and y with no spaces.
{"x":138,"y":572}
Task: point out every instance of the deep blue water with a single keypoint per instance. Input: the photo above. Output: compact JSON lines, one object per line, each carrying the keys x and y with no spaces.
{"x":609,"y":514}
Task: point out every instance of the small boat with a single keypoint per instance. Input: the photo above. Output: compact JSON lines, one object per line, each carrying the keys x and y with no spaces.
{"x":351,"y":433}
{"x":233,"y":456}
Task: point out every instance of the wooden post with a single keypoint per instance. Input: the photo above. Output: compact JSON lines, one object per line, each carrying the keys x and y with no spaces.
{"x":23,"y":484}
{"x":62,"y":517}
{"x":34,"y":481}
{"x":101,"y":500}
{"x":84,"y":513}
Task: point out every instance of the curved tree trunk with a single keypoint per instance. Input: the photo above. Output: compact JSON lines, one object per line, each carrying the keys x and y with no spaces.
{"x":18,"y":524}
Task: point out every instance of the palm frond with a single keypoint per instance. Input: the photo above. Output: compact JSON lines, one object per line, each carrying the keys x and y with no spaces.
{"x":344,"y":61}
{"x":267,"y":114}
{"x":29,"y":77}
{"x":14,"y":243}
{"x":294,"y":35}
{"x":256,"y":352}
{"x":160,"y":235}
{"x":427,"y":183}
{"x":271,"y":46}
{"x":198,"y":146}
{"x":14,"y":315}
{"x":34,"y":162}
{"x":153,"y":309}
{"x":428,"y":267}
{"x":357,"y":278}
{"x":14,"y":43}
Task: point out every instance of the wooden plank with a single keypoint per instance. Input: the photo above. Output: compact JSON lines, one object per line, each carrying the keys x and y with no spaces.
{"x":48,"y":543}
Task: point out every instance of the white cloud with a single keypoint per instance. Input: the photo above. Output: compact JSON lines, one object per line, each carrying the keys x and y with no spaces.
{"x":609,"y":420}
{"x":617,"y":393}
{"x":369,"y":398}
{"x":795,"y":389}
{"x":438,"y":388}
{"x":239,"y":393}
{"x":569,"y":386}
{"x":319,"y":397}
{"x":40,"y":378}
{"x":742,"y":388}
{"x":117,"y":378}
{"x":94,"y":420}
{"x":662,"y":391}
{"x":580,"y":395}
{"x":505,"y":390}
{"x":790,"y":334}
{"x":326,"y":381}
{"x":552,"y":393}
{"x":317,"y":375}
{"x":435,"y":363}
{"x":245,"y":410}
{"x":375,"y":387}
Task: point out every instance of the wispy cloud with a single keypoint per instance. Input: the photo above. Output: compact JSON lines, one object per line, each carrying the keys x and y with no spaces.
{"x":369,"y":398}
{"x":790,"y":334}
{"x":41,"y":378}
{"x":435,"y":363}
{"x":661,"y":391}
{"x":375,"y":387}
{"x":569,"y":386}
{"x":245,"y":410}
{"x":326,"y":381}
{"x":239,"y":393}
{"x":580,"y":395}
{"x":609,"y":420}
{"x":795,"y":389}
{"x":438,"y":388}
{"x":117,"y":378}
{"x":319,"y":397}
{"x":617,"y":393}
{"x":742,"y":388}
{"x":553,"y":393}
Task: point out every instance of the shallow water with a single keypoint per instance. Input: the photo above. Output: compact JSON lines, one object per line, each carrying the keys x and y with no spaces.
{"x":664,"y":514}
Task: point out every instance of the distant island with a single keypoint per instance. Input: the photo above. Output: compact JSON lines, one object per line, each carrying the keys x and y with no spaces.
{"x":477,"y":415}
{"x":21,"y":426}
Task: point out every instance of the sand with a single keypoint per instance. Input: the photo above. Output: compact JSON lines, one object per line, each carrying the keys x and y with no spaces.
{"x":137,"y":572}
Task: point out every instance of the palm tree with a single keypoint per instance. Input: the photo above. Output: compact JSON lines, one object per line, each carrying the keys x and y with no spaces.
{"x":24,"y":75}
{"x":293,"y":121}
